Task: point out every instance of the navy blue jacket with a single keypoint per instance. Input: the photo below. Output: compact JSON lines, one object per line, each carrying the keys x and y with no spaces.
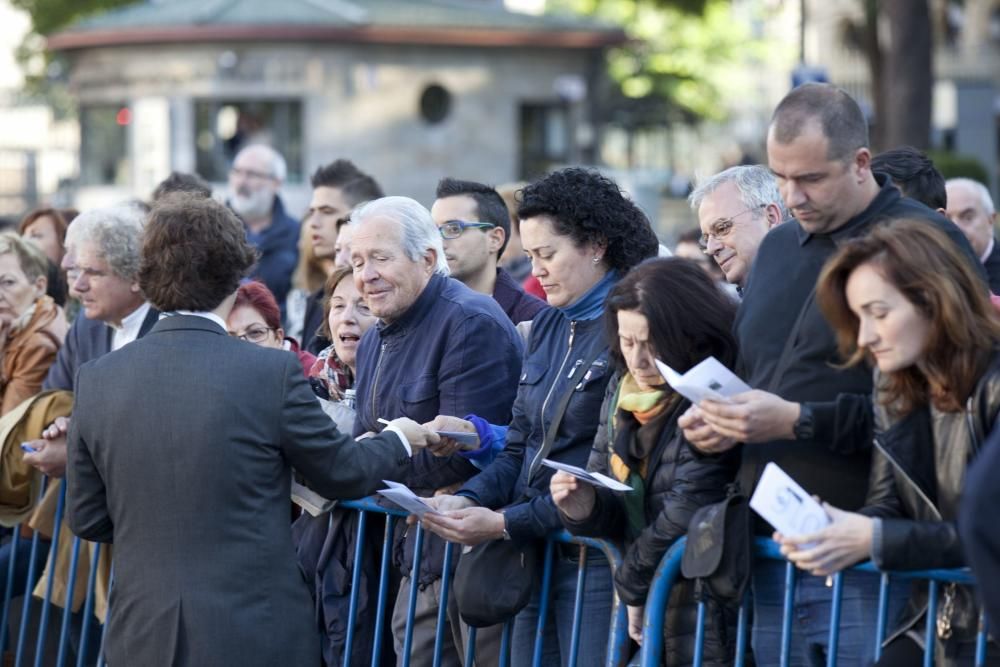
{"x":87,"y":340}
{"x":278,"y":246}
{"x":556,"y":347}
{"x":518,"y":304}
{"x":454,"y":352}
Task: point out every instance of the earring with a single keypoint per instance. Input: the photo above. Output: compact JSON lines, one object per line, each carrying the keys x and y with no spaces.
{"x":597,"y":260}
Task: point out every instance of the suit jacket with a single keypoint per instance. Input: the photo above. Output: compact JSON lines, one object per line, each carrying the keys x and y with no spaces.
{"x":87,"y":339}
{"x":992,"y":266}
{"x":180,"y":453}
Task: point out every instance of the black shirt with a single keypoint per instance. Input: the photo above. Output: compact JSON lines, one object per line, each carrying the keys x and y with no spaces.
{"x":835,"y":464}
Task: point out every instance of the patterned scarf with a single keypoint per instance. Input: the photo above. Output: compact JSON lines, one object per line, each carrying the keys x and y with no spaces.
{"x":329,"y":376}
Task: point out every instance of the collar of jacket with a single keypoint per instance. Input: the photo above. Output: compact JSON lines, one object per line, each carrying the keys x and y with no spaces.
{"x":590,"y":306}
{"x":416,"y":313}
{"x":282,"y":228}
{"x":887,"y":195}
{"x":186,"y":322}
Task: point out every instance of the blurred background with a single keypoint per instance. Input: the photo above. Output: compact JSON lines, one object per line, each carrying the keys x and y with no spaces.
{"x":101,"y":99}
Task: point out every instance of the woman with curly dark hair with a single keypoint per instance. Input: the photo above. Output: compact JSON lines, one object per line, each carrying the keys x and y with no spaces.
{"x":582,"y":235}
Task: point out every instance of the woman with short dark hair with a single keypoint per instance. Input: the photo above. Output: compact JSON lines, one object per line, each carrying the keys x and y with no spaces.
{"x":904,"y":299}
{"x":582,"y":235}
{"x":671,"y":310}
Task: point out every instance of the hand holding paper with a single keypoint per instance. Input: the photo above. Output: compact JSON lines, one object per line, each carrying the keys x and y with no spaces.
{"x":595,"y":478}
{"x":709,"y":379}
{"x":405,"y":498}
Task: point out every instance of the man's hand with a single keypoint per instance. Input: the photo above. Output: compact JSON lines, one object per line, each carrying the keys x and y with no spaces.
{"x":50,"y":456}
{"x":448,"y":446}
{"x":753,"y":416}
{"x":418,"y":436}
{"x":469,"y":526}
{"x":635,"y":615}
{"x":574,"y":498}
{"x":702,"y":436}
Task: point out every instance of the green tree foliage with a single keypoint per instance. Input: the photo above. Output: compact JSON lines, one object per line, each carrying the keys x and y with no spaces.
{"x":49,"y":16}
{"x":680,"y":52}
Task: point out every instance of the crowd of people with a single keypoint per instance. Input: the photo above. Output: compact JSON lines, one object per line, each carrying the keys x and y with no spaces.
{"x":851,"y":292}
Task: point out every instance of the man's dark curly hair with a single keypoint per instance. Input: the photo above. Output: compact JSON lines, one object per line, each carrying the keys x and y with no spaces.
{"x":194,"y":254}
{"x":590,"y":208}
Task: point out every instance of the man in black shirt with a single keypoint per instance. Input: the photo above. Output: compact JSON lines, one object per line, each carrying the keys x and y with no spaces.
{"x":807,"y":415}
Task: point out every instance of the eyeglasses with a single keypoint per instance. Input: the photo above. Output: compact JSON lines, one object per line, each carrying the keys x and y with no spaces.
{"x":454,"y":228}
{"x":254,"y":334}
{"x":722,"y":228}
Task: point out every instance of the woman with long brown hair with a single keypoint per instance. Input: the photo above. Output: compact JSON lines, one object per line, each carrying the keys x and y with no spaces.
{"x":905,"y":300}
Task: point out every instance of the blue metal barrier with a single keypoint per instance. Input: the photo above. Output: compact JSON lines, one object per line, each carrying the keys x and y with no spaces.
{"x":668,"y":572}
{"x":618,"y":633}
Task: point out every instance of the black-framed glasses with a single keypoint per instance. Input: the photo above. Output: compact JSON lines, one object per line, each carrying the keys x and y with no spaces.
{"x":720,"y":229}
{"x":255,"y":334}
{"x":452,"y":229}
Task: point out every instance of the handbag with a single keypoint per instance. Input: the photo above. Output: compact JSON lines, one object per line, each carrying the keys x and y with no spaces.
{"x":494,"y":580}
{"x":717,"y":552}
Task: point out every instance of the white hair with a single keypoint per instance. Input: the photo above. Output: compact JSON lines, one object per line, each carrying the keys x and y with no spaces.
{"x":419,"y":231}
{"x":117,"y":233}
{"x":981,"y":191}
{"x":755,"y":183}
{"x":279,"y":168}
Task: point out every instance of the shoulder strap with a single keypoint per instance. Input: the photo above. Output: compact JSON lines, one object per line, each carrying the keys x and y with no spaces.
{"x":550,"y":435}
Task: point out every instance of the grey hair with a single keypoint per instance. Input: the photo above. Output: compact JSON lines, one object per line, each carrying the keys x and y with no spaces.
{"x":981,"y":190}
{"x":279,"y":168}
{"x":755,"y":184}
{"x":117,"y":233}
{"x":419,"y":231}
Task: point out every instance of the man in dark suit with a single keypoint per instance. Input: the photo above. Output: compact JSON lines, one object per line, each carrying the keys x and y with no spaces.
{"x":970,"y":206}
{"x":180,"y":453}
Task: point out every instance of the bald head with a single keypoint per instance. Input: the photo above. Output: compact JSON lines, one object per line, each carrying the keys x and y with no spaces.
{"x":971,"y":208}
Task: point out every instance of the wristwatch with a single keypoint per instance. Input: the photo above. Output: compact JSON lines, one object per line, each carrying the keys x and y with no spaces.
{"x":805,"y":425}
{"x":506,"y":535}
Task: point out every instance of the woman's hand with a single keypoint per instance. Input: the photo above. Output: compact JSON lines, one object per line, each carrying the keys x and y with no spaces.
{"x":469,"y":526}
{"x":447,"y":446}
{"x":635,"y":615}
{"x":846,"y":541}
{"x":444,"y":503}
{"x":574,"y":498}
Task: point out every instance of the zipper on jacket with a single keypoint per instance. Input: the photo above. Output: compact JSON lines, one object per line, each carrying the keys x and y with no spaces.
{"x":909,"y":479}
{"x":378,"y":367}
{"x":548,"y":397}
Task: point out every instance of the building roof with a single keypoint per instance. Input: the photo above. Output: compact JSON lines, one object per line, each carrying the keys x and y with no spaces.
{"x":440,"y":22}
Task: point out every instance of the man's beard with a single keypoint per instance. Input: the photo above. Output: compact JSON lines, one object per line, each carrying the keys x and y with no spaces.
{"x":256,"y":204}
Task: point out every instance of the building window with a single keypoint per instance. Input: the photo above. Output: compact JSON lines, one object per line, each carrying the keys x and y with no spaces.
{"x":224,"y":127}
{"x":545,"y":138}
{"x":104,"y":144}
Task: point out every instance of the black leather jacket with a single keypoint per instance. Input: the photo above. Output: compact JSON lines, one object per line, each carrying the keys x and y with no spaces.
{"x":918,"y":471}
{"x":678,"y":481}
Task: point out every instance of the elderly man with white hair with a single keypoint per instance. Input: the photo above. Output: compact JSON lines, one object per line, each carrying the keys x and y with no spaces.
{"x":254,"y":181}
{"x":439,"y":348}
{"x":971,"y":208}
{"x":735,"y":209}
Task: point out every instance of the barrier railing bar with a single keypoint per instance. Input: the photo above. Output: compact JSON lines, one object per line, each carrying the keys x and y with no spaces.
{"x":581,"y":581}
{"x":88,"y":605}
{"x":699,"y":635}
{"x":543,"y":603}
{"x":741,"y":630}
{"x":981,"y":640}
{"x":8,"y":591}
{"x":666,"y":574}
{"x":43,"y":624}
{"x":22,"y":635}
{"x":505,"y":640}
{"x":442,"y":619}
{"x":932,"y":593}
{"x":383,"y":589}
{"x":67,"y":609}
{"x":418,"y":549}
{"x":786,"y":615}
{"x":835,"y":611}
{"x":883,"y":614}
{"x":470,"y":647}
{"x":352,"y":607}
{"x":101,"y":662}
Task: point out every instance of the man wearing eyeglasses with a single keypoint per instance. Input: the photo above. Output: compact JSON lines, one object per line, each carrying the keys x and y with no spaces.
{"x":735,"y":209}
{"x":475,"y":225}
{"x":254,"y":181}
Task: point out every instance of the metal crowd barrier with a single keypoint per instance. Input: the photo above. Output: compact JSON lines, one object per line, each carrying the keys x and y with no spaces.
{"x":68,"y":641}
{"x":668,"y":573}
